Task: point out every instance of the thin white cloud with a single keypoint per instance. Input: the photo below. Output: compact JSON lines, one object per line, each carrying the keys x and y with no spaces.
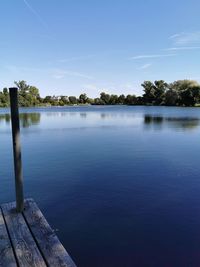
{"x":175,"y":35}
{"x":15,"y":68}
{"x":91,"y":87}
{"x":55,"y":73}
{"x":75,"y":58}
{"x":58,"y":74}
{"x":58,"y":77}
{"x":36,"y":14}
{"x":184,"y":39}
{"x":145,"y":66}
{"x":182,"y":48}
{"x":152,"y":56}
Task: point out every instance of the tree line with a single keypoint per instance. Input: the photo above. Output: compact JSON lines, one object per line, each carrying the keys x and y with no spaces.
{"x":178,"y":93}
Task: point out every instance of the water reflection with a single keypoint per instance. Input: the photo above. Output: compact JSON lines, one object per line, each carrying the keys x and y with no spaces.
{"x":101,"y":115}
{"x":26,"y":119}
{"x":82,"y":118}
{"x":172,"y":122}
{"x":83,"y":115}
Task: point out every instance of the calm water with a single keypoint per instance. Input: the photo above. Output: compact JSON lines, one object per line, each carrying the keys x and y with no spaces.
{"x":121,"y":184}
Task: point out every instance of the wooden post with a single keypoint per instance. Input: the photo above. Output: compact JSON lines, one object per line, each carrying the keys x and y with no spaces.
{"x":16,"y":149}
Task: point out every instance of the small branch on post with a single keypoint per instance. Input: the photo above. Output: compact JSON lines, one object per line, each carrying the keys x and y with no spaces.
{"x":16,"y":149}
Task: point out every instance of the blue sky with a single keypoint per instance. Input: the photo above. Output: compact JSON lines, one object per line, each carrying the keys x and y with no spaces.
{"x":72,"y":46}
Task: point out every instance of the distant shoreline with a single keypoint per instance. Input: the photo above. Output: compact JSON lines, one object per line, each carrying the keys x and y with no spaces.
{"x":158,"y":93}
{"x":89,"y":105}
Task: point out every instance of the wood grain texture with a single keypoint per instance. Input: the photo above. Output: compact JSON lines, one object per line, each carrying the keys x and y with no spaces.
{"x":26,"y":250}
{"x":7,"y":258}
{"x":49,"y":244}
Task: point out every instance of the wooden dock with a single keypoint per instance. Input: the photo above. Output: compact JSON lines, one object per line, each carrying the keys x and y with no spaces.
{"x":27,"y":240}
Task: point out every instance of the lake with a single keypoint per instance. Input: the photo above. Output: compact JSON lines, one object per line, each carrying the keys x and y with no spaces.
{"x":119,"y":184}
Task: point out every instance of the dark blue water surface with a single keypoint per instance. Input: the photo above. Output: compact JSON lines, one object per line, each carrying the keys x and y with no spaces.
{"x":121,"y":184}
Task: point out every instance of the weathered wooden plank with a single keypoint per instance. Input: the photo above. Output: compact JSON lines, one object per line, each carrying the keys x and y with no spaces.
{"x":7,"y":258}
{"x":49,"y":244}
{"x":26,"y":250}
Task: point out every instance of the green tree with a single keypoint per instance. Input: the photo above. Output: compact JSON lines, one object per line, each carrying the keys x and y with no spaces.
{"x":4,"y":98}
{"x":47,"y":99}
{"x":149,"y":92}
{"x":105,"y":98}
{"x":188,"y":92}
{"x":23,"y":87}
{"x":171,"y":97}
{"x":63,"y":100}
{"x":113,"y":100}
{"x":121,"y":99}
{"x":98,"y":101}
{"x":154,"y":92}
{"x":83,"y":99}
{"x":28,"y":95}
{"x":131,"y":100}
{"x":90,"y":101}
{"x":160,"y":89}
{"x":73,"y":100}
{"x":140,"y":100}
{"x":5,"y":91}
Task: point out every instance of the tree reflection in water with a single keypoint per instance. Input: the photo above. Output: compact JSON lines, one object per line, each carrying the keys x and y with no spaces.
{"x":171,"y":122}
{"x":26,"y":119}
